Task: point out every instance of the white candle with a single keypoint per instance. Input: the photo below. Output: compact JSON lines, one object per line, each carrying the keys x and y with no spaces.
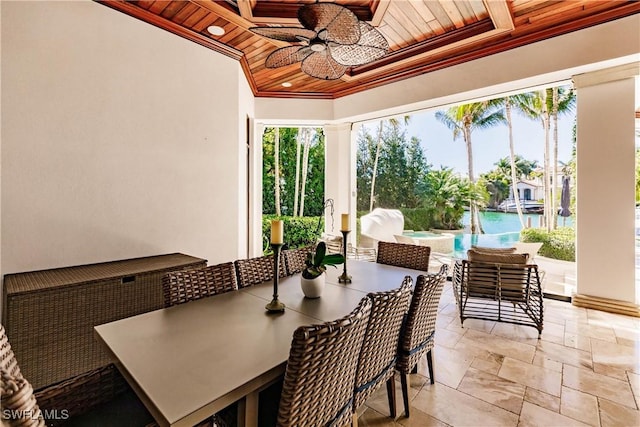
{"x":345,"y":222}
{"x":277,"y":232}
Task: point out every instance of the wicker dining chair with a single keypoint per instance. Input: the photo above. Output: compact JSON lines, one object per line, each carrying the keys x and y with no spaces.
{"x":77,"y":396}
{"x":61,"y":403}
{"x":321,"y":370}
{"x":377,"y":361}
{"x":19,"y":406}
{"x":416,"y":338}
{"x":18,"y":401}
{"x":34,"y":409}
{"x":253,"y":271}
{"x":179,"y":287}
{"x":294,"y":259}
{"x":404,"y":255}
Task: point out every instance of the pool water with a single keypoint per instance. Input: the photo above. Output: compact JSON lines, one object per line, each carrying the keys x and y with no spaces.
{"x":501,"y":230}
{"x":463,"y":242}
{"x":420,"y":234}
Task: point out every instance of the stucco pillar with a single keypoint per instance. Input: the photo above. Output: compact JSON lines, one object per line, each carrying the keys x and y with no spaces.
{"x":605,"y":242}
{"x":256,"y":130}
{"x":339,"y":176}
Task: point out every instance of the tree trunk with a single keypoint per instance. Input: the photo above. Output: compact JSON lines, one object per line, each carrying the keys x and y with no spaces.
{"x":473,"y":208}
{"x":305,"y":167}
{"x":547,"y":176}
{"x":297,"y":189}
{"x":276,"y":181}
{"x":375,"y":167}
{"x":514,"y":175}
{"x":554,"y":184}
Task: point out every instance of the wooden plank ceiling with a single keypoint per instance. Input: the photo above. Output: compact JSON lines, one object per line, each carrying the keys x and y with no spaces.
{"x":423,"y":35}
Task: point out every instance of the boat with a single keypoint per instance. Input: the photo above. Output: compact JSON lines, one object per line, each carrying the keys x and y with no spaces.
{"x":528,"y":206}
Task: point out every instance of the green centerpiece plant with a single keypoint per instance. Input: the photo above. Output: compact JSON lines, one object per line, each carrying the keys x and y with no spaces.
{"x":318,"y":260}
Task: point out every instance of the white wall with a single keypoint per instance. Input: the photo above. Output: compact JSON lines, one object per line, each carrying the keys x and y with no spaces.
{"x":246,"y":109}
{"x":118,"y":140}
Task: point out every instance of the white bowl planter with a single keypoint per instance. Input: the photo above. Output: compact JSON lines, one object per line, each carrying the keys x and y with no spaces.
{"x":312,"y":288}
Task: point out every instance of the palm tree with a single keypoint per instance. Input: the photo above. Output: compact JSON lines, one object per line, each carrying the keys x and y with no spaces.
{"x":463,"y":120}
{"x":394,"y":123}
{"x":514,"y":101}
{"x":536,"y":107}
{"x":446,"y":196}
{"x":497,"y":184}
{"x":524,"y":167}
{"x":562,"y":102}
{"x":545,"y":105}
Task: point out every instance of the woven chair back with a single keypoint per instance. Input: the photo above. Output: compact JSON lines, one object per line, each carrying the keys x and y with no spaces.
{"x":183,"y":286}
{"x":419,"y":328}
{"x":256,"y":270}
{"x":294,"y":259}
{"x":377,"y":359}
{"x":404,"y":255}
{"x":7,"y":359}
{"x":19,"y":406}
{"x":318,"y":382}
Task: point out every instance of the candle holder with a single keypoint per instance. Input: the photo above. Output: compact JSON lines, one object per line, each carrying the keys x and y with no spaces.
{"x":275,"y":306}
{"x":344,"y":277}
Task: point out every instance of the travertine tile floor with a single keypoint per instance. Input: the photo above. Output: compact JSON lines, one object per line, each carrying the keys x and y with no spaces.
{"x":585,"y":370}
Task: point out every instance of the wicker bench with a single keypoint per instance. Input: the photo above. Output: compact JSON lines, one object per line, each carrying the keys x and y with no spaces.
{"x":49,"y":317}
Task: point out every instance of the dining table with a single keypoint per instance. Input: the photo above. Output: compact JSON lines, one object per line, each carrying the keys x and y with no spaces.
{"x":189,"y":361}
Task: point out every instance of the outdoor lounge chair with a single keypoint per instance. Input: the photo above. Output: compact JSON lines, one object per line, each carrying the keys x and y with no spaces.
{"x":499,"y":287}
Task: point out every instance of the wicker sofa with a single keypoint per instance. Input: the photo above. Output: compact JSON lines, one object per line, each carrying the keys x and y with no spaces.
{"x":499,"y":287}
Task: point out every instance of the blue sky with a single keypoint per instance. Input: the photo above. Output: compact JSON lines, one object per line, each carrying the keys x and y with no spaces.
{"x":489,"y":145}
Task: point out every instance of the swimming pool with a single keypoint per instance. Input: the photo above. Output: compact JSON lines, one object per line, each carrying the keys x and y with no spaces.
{"x":502,"y":230}
{"x":463,"y":242}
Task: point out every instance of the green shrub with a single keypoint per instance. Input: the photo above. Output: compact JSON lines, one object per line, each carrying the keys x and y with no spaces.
{"x":557,"y":244}
{"x":298,"y":231}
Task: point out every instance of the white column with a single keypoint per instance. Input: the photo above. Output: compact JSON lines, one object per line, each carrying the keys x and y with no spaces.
{"x":339,"y":176}
{"x":255,"y":189}
{"x":605,"y":243}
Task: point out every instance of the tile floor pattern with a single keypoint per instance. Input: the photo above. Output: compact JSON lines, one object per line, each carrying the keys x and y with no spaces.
{"x":584,"y":371}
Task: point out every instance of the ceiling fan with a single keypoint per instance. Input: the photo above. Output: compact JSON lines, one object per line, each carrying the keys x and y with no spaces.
{"x":332,"y":40}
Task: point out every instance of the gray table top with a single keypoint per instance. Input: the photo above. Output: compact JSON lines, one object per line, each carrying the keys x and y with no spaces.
{"x":192,"y":360}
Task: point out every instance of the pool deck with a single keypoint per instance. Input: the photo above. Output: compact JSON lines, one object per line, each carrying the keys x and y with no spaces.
{"x":560,"y":276}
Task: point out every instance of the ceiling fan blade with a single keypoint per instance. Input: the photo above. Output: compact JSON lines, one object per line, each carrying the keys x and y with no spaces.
{"x":286,"y":34}
{"x":371,"y":46}
{"x":331,"y":21}
{"x":287,"y":56}
{"x":322,"y":66}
